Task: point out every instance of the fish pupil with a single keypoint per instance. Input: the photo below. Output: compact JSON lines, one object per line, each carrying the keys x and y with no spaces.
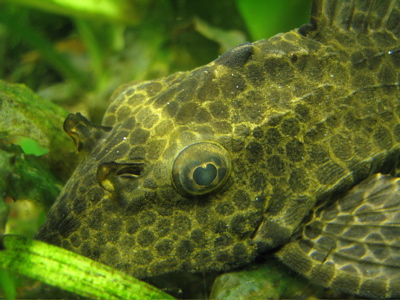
{"x":205,"y":175}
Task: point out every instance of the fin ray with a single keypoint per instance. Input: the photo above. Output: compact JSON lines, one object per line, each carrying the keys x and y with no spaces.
{"x":353,"y":17}
{"x":354,"y":244}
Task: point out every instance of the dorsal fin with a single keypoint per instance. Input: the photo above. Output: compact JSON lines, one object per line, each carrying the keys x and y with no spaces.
{"x":333,"y":17}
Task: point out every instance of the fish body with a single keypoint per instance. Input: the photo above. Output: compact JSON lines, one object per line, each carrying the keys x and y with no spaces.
{"x":207,"y":169}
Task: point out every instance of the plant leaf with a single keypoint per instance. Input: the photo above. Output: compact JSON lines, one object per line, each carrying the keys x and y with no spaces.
{"x":265,"y":18}
{"x":113,"y":10}
{"x":72,"y":272}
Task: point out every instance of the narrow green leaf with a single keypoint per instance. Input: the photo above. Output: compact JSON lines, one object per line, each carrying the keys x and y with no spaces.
{"x":227,"y":39}
{"x":115,"y":10}
{"x":7,"y":284}
{"x":97,"y":53}
{"x":72,"y":272}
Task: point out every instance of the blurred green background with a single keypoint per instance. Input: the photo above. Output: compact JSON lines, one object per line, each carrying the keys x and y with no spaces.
{"x":76,"y":52}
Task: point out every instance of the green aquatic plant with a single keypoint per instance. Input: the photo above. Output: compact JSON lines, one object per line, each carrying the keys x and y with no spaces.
{"x":27,"y":174}
{"x":71,"y":272}
{"x":38,"y":158}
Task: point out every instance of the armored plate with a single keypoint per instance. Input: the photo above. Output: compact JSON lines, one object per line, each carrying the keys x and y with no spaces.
{"x":257,"y":151}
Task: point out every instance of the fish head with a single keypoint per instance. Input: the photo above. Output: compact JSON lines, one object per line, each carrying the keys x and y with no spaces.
{"x":176,"y":178}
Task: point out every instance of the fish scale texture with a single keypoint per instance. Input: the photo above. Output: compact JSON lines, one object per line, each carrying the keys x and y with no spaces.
{"x":303,"y":117}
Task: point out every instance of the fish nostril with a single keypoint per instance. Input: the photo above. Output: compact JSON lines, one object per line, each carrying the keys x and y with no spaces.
{"x":108,"y":173}
{"x":84,"y":134}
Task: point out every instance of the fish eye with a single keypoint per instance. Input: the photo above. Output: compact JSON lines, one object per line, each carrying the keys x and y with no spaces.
{"x":201,"y":168}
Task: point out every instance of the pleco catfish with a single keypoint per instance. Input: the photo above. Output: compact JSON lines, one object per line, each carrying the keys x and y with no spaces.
{"x":290,"y":143}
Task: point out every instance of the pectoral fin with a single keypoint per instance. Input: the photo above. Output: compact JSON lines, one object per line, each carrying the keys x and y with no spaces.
{"x":353,"y":245}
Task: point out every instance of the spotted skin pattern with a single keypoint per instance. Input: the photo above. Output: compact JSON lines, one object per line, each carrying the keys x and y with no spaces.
{"x":303,"y":116}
